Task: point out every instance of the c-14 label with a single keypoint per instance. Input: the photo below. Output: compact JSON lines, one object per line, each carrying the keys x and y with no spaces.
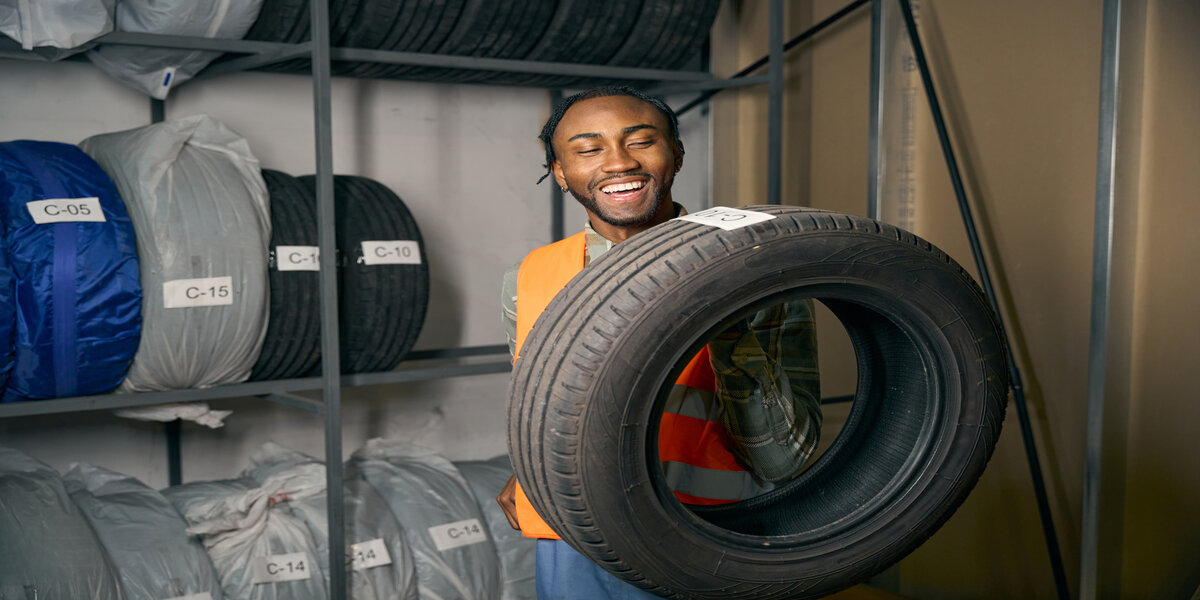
{"x":281,"y":567}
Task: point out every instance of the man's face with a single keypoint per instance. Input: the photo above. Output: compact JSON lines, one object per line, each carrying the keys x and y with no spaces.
{"x":617,"y":157}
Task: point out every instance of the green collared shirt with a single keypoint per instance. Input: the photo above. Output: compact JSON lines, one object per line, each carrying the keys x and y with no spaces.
{"x":768,"y":383}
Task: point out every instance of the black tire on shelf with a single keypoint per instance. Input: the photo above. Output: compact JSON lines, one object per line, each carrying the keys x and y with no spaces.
{"x":381,"y":307}
{"x":374,"y":26}
{"x":292,"y":344}
{"x":527,"y":22}
{"x":586,"y":397}
{"x":581,"y":32}
{"x":694,"y":25}
{"x":442,"y":23}
{"x":280,"y":21}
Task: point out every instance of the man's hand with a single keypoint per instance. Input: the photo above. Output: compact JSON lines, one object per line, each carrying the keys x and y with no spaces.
{"x":507,"y":499}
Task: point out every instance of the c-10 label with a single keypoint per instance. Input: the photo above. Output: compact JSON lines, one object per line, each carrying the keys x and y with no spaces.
{"x":282,"y":567}
{"x":66,"y":210}
{"x":297,"y":258}
{"x":393,"y":252}
{"x":207,"y":291}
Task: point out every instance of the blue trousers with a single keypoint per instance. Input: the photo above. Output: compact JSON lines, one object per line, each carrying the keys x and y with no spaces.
{"x":564,"y":574}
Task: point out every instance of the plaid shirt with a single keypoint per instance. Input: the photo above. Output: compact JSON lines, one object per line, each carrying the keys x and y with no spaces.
{"x":768,"y":383}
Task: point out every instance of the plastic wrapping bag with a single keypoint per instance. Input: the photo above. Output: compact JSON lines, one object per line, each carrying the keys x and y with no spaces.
{"x":55,"y":29}
{"x":143,"y":535}
{"x":199,"y":207}
{"x":73,"y":259}
{"x":260,"y":552}
{"x":8,"y":312}
{"x":156,"y":70}
{"x":47,"y":548}
{"x":197,"y":412}
{"x":455,"y":556}
{"x":381,"y":565}
{"x":517,"y":552}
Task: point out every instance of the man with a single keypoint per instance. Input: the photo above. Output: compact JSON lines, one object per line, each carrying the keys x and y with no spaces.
{"x":745,"y":413}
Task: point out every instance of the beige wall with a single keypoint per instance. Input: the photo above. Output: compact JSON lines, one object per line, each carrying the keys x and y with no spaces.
{"x":1019,"y":82}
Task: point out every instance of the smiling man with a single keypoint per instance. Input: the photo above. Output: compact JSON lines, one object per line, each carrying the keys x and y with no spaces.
{"x":744,"y":415}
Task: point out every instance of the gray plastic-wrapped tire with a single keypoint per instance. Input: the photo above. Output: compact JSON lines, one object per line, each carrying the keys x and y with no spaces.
{"x":55,"y":29}
{"x":517,"y":552}
{"x":143,"y":534}
{"x":260,"y":551}
{"x":48,"y":549}
{"x":455,"y":556}
{"x":198,"y":204}
{"x":156,"y":71}
{"x":379,"y":562}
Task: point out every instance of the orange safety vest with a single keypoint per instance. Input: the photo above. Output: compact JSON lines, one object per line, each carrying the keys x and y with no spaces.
{"x":692,"y":444}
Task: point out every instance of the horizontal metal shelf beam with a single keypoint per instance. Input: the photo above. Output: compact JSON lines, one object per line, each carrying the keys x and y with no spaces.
{"x":254,"y":388}
{"x":514,"y":66}
{"x":457,"y":352}
{"x":700,"y":86}
{"x":294,"y":401}
{"x":403,"y":376}
{"x":190,"y":42}
{"x":254,"y":61}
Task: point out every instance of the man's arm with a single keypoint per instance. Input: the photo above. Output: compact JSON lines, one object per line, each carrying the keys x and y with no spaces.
{"x":769,"y":387}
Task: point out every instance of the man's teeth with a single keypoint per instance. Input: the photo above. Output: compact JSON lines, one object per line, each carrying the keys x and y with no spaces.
{"x":622,"y":187}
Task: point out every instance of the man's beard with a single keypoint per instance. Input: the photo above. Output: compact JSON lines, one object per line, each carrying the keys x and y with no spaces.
{"x":592,"y":205}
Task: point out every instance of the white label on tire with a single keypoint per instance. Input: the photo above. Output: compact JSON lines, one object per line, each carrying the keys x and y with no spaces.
{"x":281,"y":567}
{"x":200,"y":596}
{"x":206,"y":291}
{"x":394,"y":252}
{"x":66,"y":210}
{"x":371,"y":553}
{"x":458,"y":533}
{"x":726,"y":218}
{"x":297,"y":258}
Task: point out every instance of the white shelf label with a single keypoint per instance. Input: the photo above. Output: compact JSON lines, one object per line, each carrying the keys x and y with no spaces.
{"x":371,"y":553}
{"x":298,"y":258}
{"x":66,"y":210}
{"x":200,"y":596}
{"x":206,"y":291}
{"x":458,"y":533}
{"x":281,"y":567}
{"x":394,"y":252}
{"x":726,"y":218}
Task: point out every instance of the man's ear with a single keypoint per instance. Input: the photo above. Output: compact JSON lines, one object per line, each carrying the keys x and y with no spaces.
{"x":678,"y":155}
{"x":559,"y":177}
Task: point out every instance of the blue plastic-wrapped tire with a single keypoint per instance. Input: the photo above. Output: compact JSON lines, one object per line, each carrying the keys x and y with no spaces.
{"x":73,"y":261}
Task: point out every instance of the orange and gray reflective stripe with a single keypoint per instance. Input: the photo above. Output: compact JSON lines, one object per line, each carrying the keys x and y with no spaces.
{"x":710,"y":474}
{"x":713,"y":484}
{"x":693,"y":402}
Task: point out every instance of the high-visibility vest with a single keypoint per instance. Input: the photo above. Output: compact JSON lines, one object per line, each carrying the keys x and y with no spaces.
{"x":694,"y":448}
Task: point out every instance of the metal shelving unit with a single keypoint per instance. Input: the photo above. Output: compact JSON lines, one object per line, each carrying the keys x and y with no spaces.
{"x":332,"y":381}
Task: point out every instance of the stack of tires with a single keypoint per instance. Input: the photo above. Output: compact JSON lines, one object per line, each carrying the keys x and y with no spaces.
{"x":661,"y":34}
{"x":226,"y":253}
{"x":383,"y":277}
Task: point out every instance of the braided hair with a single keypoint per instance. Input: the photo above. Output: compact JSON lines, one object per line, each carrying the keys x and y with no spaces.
{"x":560,"y":108}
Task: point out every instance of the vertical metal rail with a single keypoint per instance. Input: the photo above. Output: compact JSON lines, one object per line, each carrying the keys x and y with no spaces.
{"x":557,"y":210}
{"x":330,"y":357}
{"x":875,"y":128}
{"x":174,"y":452}
{"x":173,"y":430}
{"x":775,"y":105}
{"x":1043,"y":503}
{"x":1102,"y":249}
